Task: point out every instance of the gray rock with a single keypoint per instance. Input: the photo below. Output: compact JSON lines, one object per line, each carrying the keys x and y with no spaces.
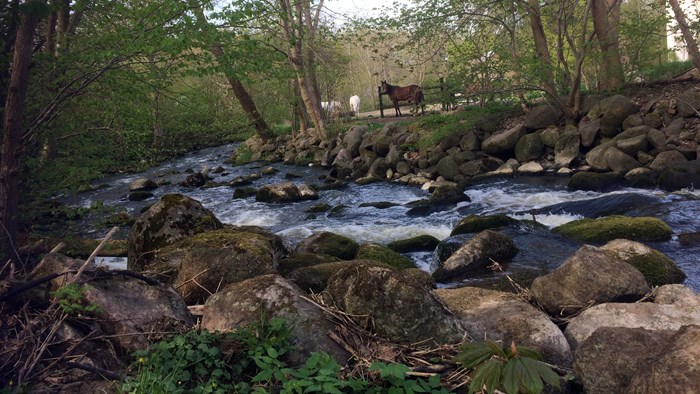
{"x":475,"y":255}
{"x":631,"y":146}
{"x":504,"y":141}
{"x":390,"y":299}
{"x":566,"y":149}
{"x":470,"y":141}
{"x":499,"y":316}
{"x":590,"y":276}
{"x":550,"y":136}
{"x":448,"y":168}
{"x":142,"y":184}
{"x":688,"y":103}
{"x":272,"y":296}
{"x":619,"y":161}
{"x":542,"y":116}
{"x":667,"y":159}
{"x":618,"y":108}
{"x":596,"y":157}
{"x":329,"y":244}
{"x":680,"y":176}
{"x":529,"y":147}
{"x":589,"y":129}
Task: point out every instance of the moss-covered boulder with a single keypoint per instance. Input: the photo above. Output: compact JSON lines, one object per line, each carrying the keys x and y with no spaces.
{"x":529,"y":147}
{"x":272,"y":296}
{"x":330,"y":244}
{"x":414,"y":244}
{"x":475,"y":256}
{"x":172,"y":218}
{"x":613,"y":227}
{"x":314,"y":278}
{"x":382,"y":254}
{"x":401,"y":306}
{"x":658,"y":269}
{"x":199,"y":265}
{"x":477,"y":223}
{"x":285,"y":192}
{"x":300,"y":260}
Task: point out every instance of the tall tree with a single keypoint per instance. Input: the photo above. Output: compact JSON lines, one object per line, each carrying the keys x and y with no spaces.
{"x":606,"y":20}
{"x":686,"y":32}
{"x":239,"y":90}
{"x":30,"y":13}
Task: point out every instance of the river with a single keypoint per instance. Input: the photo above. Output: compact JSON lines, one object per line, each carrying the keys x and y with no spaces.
{"x":544,"y":196}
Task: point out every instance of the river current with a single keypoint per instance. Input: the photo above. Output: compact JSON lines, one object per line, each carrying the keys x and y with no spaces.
{"x":545,"y":197}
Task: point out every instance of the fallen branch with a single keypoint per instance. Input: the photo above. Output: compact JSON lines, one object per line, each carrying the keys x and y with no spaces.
{"x":97,"y":250}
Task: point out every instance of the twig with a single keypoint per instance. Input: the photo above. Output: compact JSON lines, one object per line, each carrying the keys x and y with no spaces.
{"x":97,"y":250}
{"x":56,"y":249}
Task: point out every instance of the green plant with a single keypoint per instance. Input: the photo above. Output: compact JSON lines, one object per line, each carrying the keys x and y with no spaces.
{"x":71,"y":299}
{"x":191,"y":363}
{"x":515,"y":369}
{"x":396,"y":381}
{"x":243,"y":156}
{"x":319,"y":374}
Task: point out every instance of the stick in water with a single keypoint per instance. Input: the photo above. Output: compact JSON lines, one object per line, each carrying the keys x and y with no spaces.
{"x":97,"y":250}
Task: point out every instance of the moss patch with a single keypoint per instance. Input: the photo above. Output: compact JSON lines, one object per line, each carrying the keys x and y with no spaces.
{"x":475,"y":223}
{"x":615,"y":227}
{"x":384,"y":255}
{"x":657,"y":268}
{"x":301,"y":260}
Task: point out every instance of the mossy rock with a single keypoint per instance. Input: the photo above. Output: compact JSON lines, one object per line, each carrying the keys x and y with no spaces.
{"x":594,"y":181}
{"x":382,"y":254}
{"x":300,"y":260}
{"x":313,"y":279}
{"x":657,"y":268}
{"x":82,"y":248}
{"x":613,"y":227}
{"x":476,"y":223}
{"x":330,"y":244}
{"x":414,"y":244}
{"x":318,"y":208}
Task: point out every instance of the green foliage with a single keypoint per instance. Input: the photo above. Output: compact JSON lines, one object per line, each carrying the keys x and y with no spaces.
{"x":71,"y":299}
{"x":665,"y":70}
{"x":188,"y":363}
{"x":253,"y":360}
{"x":515,"y":369}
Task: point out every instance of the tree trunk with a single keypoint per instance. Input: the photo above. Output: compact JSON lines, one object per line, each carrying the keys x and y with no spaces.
{"x":239,"y":90}
{"x":12,"y":133}
{"x":542,"y":48}
{"x":299,"y":109}
{"x":606,"y":18}
{"x":688,"y":37}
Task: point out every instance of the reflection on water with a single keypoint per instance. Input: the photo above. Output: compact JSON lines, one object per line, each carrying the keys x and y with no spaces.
{"x":518,"y":197}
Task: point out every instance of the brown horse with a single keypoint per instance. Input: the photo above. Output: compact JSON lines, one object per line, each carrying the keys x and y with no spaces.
{"x":412,"y":94}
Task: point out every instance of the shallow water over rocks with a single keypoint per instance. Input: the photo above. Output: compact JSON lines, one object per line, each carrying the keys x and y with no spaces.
{"x":543,"y":197}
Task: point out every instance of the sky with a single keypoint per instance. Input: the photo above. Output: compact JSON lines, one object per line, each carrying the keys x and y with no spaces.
{"x":364,"y":8}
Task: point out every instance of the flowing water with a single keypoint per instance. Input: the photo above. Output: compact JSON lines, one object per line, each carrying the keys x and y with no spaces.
{"x":544,"y":197}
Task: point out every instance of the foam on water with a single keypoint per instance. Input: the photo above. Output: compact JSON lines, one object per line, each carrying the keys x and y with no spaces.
{"x":549,"y":220}
{"x":377,"y":233}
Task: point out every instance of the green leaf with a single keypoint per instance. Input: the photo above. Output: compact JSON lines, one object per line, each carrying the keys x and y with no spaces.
{"x":473,"y":354}
{"x":487,"y":375}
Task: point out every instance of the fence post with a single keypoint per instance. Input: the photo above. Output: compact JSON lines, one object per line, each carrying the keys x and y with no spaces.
{"x":381,"y":106}
{"x":443,"y":100}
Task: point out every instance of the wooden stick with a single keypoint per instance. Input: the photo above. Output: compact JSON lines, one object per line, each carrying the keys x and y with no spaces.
{"x":56,"y":249}
{"x":97,"y":250}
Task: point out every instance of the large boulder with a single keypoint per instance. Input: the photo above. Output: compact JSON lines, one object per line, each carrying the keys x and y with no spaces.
{"x":607,"y":361}
{"x":499,"y":316}
{"x":618,"y":108}
{"x":418,"y":243}
{"x":567,"y":149}
{"x":542,"y":116}
{"x":391,"y":300}
{"x":688,"y":103}
{"x":594,"y":181}
{"x":631,"y":146}
{"x":131,"y":310}
{"x":529,"y":147}
{"x":590,"y":276}
{"x":681,"y":176}
{"x":475,"y":255}
{"x":477,"y":223}
{"x":329,"y":244}
{"x":503,"y":142}
{"x":676,"y":370}
{"x":665,"y":313}
{"x":619,"y":161}
{"x":142,"y":184}
{"x":596,"y":157}
{"x":172,"y":218}
{"x":199,"y":265}
{"x":613,"y":227}
{"x":314,"y":278}
{"x":285,"y":192}
{"x":448,"y":168}
{"x":667,"y":159}
{"x":657,"y":268}
{"x":589,"y":128}
{"x":267,"y":297}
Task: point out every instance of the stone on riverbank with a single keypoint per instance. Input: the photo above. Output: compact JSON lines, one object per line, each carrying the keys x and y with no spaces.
{"x":415,"y":244}
{"x":477,"y":223}
{"x":590,"y":276}
{"x":401,"y":306}
{"x":330,"y":244}
{"x":285,"y":192}
{"x":271,"y":296}
{"x":594,"y":181}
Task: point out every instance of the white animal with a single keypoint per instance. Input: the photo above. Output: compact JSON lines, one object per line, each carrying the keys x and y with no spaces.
{"x":331,"y":106}
{"x":355,"y":104}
